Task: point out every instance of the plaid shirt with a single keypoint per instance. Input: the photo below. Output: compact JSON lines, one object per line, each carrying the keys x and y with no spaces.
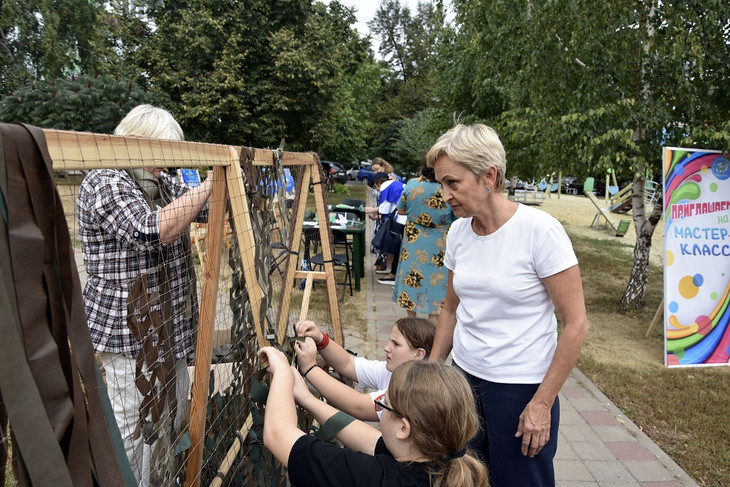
{"x":120,"y":241}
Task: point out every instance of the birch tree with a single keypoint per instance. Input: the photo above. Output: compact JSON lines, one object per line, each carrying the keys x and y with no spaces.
{"x":585,"y":87}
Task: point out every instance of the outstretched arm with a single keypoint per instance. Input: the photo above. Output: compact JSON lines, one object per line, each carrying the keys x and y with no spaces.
{"x":339,"y":358}
{"x":356,"y":436}
{"x":177,"y":216}
{"x":340,"y":395}
{"x":280,"y":419}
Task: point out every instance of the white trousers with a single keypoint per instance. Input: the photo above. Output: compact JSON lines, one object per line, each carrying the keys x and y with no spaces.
{"x":126,"y":399}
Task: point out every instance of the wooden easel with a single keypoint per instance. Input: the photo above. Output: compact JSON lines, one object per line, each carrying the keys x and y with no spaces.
{"x":84,"y":151}
{"x":657,"y":316}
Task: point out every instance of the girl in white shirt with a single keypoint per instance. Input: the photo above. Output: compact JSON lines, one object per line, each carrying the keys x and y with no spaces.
{"x":410,"y":339}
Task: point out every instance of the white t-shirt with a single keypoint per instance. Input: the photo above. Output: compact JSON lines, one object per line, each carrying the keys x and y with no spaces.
{"x":372,"y":374}
{"x":506,"y":329}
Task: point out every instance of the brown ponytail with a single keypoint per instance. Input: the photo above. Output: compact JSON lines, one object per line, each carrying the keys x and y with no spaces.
{"x":439,"y":404}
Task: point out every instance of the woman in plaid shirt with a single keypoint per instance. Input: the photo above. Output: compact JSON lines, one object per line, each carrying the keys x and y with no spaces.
{"x":133,"y":230}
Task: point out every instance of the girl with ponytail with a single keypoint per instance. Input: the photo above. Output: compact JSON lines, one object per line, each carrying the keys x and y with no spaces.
{"x":429,"y":415}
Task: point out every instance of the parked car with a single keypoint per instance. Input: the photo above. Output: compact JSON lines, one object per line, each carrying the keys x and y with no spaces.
{"x":366,"y":176}
{"x":352,"y":172}
{"x":334,"y":172}
{"x":571,"y":185}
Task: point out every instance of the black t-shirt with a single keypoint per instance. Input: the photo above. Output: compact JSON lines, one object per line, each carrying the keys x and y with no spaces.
{"x":320,"y":464}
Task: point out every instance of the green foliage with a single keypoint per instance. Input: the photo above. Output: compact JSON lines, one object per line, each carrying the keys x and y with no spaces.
{"x":263,"y":71}
{"x":125,"y":30}
{"x":408,"y":47}
{"x":416,"y":135}
{"x":46,"y":38}
{"x":81,"y":103}
{"x":341,"y":133}
{"x":583,"y":86}
{"x":340,"y":189}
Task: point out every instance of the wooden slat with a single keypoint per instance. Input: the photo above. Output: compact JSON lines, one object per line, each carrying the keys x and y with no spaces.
{"x":305,"y":298}
{"x":203,"y":348}
{"x":295,"y":238}
{"x":246,"y":245}
{"x":85,"y":150}
{"x":327,"y":254}
{"x":316,"y":275}
{"x":232,"y":453}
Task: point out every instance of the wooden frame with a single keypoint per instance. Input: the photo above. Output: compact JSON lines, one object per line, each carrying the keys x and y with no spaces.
{"x":85,"y":151}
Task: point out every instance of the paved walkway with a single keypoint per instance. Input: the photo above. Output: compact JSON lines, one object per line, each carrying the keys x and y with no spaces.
{"x":597,"y":446}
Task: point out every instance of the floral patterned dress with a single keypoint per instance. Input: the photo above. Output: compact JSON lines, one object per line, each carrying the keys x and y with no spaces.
{"x":420,"y":285}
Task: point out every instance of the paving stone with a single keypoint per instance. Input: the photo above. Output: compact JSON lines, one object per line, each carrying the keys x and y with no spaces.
{"x":600,"y":418}
{"x":613,"y":433}
{"x":573,"y":391}
{"x":578,"y":433}
{"x":648,"y":471}
{"x":572,"y":470}
{"x":610,"y":472}
{"x":629,"y":450}
{"x":592,"y":450}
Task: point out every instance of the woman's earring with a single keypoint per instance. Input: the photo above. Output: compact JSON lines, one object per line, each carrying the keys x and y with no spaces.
{"x":489,"y":190}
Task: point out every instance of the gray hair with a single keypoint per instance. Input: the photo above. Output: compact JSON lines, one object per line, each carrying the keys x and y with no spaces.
{"x":151,"y":122}
{"x":475,"y":146}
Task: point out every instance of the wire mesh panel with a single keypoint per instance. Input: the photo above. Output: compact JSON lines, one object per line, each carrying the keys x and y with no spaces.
{"x":177,"y":314}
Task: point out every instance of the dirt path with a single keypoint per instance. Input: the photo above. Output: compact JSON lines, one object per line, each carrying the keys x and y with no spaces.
{"x":577,"y":212}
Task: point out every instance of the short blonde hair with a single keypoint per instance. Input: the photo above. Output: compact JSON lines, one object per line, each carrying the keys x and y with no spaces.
{"x":475,"y":146}
{"x":151,"y":122}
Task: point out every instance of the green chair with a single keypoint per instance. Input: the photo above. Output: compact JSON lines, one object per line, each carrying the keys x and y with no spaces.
{"x":588,"y":185}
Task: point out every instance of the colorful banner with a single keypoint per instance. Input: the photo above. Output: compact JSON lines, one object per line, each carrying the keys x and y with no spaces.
{"x":697,"y":257}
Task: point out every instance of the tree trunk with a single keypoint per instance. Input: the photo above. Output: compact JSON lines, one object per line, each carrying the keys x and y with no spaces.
{"x":633,"y":296}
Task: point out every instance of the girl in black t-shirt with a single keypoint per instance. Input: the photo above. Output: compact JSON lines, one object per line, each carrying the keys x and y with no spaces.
{"x":429,"y":417}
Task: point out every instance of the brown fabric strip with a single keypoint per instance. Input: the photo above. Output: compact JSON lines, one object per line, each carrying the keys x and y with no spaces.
{"x":35,"y":285}
{"x":34,"y":438}
{"x":71,"y":424}
{"x":106,"y":460}
{"x":51,"y":311}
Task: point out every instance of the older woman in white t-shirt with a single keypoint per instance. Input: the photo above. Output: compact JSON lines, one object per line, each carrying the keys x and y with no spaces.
{"x":511,"y":267}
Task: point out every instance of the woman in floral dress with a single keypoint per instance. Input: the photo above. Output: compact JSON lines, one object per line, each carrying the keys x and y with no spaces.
{"x":420,"y":285}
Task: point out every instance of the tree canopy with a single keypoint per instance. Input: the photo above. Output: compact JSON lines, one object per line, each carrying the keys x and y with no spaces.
{"x":46,"y":38}
{"x":585,"y":87}
{"x":572,"y":86}
{"x":260,"y":72}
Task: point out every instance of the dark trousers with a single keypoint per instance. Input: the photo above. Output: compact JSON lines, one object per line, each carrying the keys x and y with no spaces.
{"x":500,"y":406}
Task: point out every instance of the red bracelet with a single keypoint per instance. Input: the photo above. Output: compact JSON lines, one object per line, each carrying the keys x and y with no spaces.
{"x":325,"y":341}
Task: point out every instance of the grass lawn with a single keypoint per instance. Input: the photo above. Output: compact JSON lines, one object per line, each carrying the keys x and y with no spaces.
{"x":685,"y":411}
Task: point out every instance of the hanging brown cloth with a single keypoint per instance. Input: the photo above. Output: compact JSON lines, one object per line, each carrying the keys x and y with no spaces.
{"x":49,"y":378}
